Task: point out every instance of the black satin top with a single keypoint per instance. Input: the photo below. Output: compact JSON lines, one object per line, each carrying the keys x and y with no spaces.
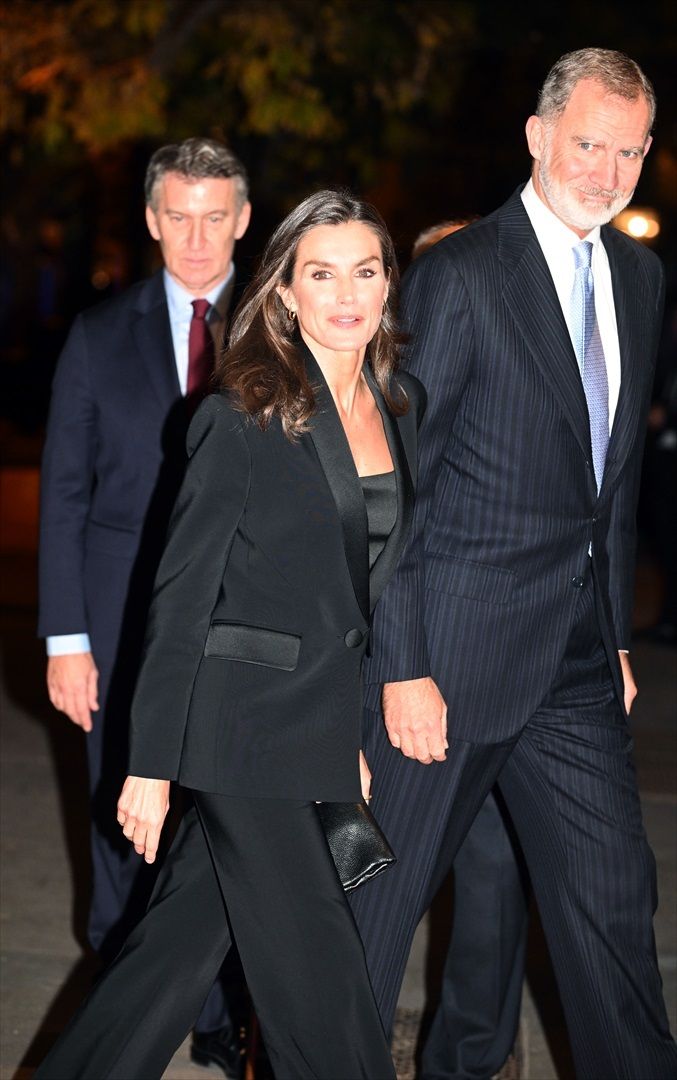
{"x":380,"y":496}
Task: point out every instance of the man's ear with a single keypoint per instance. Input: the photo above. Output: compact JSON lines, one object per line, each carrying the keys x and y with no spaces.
{"x":535,"y":130}
{"x":243,"y":219}
{"x":151,"y":222}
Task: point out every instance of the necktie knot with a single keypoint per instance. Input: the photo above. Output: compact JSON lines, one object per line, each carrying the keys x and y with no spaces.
{"x":583,"y":255}
{"x":200,"y":308}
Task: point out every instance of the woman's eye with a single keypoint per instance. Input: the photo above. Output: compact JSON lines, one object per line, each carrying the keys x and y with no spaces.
{"x":366,"y":272}
{"x":320,"y":275}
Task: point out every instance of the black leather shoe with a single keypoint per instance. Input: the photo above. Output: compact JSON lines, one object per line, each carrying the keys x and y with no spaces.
{"x":221,"y":1048}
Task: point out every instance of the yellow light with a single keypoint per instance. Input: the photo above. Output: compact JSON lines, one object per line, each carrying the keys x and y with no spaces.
{"x":641,"y":222}
{"x":638,"y":226}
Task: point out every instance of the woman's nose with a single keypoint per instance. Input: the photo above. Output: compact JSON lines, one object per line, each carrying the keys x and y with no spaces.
{"x":346,"y":291}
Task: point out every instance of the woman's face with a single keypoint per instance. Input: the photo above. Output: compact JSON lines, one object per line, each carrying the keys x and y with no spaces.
{"x":339,"y":287}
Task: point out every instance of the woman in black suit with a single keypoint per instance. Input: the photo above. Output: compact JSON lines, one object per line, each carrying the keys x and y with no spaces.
{"x":295,"y":506}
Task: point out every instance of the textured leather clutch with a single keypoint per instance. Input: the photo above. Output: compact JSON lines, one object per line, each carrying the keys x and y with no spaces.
{"x":358,"y":847}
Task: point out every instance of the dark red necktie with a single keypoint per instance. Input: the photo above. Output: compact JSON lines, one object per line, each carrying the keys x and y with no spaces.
{"x":200,"y":356}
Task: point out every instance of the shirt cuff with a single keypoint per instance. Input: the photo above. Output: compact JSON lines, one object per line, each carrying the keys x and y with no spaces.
{"x":65,"y":644}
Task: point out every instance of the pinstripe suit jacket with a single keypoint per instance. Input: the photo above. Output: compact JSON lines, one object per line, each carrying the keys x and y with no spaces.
{"x":485,"y":594}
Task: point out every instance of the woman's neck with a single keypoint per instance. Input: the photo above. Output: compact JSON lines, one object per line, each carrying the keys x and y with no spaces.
{"x":343,"y":375}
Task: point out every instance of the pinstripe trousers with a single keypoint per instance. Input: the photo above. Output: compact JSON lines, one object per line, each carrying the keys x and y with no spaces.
{"x":569,"y":783}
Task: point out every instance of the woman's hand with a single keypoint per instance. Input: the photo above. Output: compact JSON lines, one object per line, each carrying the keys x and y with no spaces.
{"x":142,"y":809}
{"x":365,"y":778}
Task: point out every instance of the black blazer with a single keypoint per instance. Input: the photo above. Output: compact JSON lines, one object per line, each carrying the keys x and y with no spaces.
{"x":487,"y":590}
{"x":251,"y":679}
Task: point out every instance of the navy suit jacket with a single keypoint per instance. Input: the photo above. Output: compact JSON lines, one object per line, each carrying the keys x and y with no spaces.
{"x":486,"y":592}
{"x":113,"y":461}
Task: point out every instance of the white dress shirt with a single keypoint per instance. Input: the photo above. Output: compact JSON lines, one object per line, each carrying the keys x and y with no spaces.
{"x":557,"y":242}
{"x":179,"y":305}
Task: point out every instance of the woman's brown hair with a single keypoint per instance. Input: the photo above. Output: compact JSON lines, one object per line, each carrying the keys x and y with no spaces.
{"x":262,"y":368}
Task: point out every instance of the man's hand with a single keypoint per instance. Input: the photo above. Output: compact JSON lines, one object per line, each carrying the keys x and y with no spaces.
{"x":142,"y":809}
{"x":72,"y":684}
{"x":416,"y":719}
{"x":629,"y":684}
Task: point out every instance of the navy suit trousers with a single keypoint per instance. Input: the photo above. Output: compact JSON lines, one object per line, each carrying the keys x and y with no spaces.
{"x":569,"y":783}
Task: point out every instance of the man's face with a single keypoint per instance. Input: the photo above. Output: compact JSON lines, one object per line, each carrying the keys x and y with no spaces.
{"x":587,"y":162}
{"x":197,"y":223}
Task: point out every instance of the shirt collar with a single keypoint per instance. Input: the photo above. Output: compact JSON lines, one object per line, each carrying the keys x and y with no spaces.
{"x":180,"y":301}
{"x":552,"y":233}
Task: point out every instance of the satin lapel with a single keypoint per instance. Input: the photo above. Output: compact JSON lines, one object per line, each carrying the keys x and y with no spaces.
{"x":384,"y":566}
{"x":530,"y":295}
{"x":630,"y":304}
{"x":153,"y":338}
{"x":331,"y":444}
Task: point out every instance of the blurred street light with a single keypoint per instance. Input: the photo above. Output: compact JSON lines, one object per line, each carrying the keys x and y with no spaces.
{"x":641,"y":222}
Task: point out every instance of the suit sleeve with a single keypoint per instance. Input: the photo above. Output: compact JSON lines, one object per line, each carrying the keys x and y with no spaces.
{"x":66,"y":482}
{"x":438,"y":316}
{"x":622,"y":542}
{"x":205,"y":518}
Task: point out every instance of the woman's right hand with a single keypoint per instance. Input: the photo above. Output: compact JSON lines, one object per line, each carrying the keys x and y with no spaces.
{"x":142,"y":809}
{"x":365,"y":778}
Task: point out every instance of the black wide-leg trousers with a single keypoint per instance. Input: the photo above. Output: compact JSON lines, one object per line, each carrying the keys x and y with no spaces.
{"x":261,"y":869}
{"x":570,"y":787}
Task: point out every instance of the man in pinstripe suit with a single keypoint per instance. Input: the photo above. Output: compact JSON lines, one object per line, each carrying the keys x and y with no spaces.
{"x":534,"y":331}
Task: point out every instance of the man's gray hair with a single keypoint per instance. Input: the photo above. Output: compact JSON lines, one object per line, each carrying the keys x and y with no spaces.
{"x":196,"y":159}
{"x":617,"y":73}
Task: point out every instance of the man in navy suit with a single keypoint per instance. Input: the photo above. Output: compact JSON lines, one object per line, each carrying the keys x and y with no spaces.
{"x":535,"y":333}
{"x":129,"y":376}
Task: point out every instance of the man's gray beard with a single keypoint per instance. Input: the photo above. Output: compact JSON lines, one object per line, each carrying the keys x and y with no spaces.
{"x":570,"y":210}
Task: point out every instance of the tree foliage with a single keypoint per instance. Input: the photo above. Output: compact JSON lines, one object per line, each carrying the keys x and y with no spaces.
{"x":99,"y":72}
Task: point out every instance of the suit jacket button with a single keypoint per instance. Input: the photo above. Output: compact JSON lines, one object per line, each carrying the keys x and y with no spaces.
{"x":577,"y":582}
{"x":353,"y":638}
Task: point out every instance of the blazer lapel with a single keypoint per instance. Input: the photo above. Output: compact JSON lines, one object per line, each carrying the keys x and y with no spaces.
{"x":630,"y":306}
{"x":331,"y":444}
{"x":531,"y":297}
{"x":153,"y":338}
{"x":384,"y":566}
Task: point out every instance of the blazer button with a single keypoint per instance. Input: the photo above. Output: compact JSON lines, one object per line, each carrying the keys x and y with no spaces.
{"x":353,"y":638}
{"x":577,"y":582}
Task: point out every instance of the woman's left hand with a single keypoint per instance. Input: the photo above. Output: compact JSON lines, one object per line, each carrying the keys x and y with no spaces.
{"x":142,"y":809}
{"x":365,"y":778}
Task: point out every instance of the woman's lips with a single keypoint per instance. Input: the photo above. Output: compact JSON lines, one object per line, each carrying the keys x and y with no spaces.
{"x":346,"y":320}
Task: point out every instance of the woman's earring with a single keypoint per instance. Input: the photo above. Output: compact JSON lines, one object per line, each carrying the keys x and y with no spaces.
{"x":291,"y":314}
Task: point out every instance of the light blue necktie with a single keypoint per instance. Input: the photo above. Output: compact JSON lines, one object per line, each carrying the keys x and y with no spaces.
{"x":590,"y":355}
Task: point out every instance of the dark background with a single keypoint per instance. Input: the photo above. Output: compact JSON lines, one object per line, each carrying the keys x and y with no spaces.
{"x":418,"y":105}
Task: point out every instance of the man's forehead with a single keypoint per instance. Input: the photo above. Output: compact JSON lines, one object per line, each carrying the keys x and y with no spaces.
{"x":197,"y":188}
{"x":592,"y":98}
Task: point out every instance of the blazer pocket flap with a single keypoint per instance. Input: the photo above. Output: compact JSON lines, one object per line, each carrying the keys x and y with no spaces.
{"x":253,"y":645}
{"x":471,"y":580}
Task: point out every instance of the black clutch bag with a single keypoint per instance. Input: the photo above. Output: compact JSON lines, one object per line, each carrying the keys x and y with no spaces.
{"x":358,"y":847}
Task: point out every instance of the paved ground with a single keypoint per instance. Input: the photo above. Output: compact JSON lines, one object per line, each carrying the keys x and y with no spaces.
{"x":44,"y":875}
